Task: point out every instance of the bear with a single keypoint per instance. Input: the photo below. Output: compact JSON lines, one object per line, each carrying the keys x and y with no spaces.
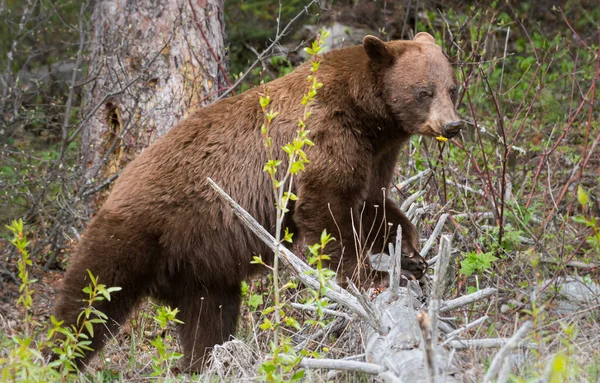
{"x":164,"y":233}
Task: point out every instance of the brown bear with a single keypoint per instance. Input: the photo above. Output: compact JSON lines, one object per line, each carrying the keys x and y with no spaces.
{"x":164,"y":233}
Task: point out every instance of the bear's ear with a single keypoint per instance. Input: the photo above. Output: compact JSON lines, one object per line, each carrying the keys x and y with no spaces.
{"x":424,"y":37}
{"x":377,"y":51}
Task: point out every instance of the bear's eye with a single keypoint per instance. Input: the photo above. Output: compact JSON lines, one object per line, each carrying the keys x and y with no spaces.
{"x":424,"y":94}
{"x":453,"y":92}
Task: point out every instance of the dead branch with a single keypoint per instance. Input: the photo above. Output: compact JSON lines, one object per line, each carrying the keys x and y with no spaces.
{"x":467,"y":299}
{"x":338,"y":364}
{"x":506,"y":350}
{"x":333,"y":292}
{"x":461,"y":344}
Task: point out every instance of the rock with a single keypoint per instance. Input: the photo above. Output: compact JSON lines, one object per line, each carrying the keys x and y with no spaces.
{"x":574,"y":293}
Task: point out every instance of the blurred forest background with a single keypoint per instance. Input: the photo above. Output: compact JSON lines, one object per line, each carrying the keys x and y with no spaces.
{"x":86,"y":85}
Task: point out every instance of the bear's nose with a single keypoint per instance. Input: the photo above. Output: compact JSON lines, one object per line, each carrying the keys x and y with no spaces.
{"x":451,"y":129}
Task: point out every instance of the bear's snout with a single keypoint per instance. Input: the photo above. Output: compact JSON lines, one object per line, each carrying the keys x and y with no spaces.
{"x":451,"y":129}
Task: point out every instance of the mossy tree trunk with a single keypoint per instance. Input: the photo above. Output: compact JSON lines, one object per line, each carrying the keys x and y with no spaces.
{"x":150,"y":63}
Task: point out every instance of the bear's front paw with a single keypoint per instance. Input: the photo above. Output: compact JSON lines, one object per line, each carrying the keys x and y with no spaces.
{"x":412,"y":262}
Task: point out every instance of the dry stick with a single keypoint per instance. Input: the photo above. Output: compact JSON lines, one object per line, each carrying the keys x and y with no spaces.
{"x":574,"y":264}
{"x":300,"y":306}
{"x":466,"y":188}
{"x":338,"y":324}
{"x":389,"y":377}
{"x":505,"y":351}
{"x":333,"y":292}
{"x":426,"y":331}
{"x":347,"y":365}
{"x":433,"y":237}
{"x":467,"y":299}
{"x":438,"y":288}
{"x":101,"y":186}
{"x":412,"y":179}
{"x":461,"y":344}
{"x":504,"y":371}
{"x":396,"y":271}
{"x":362,"y":298}
{"x":453,"y":334}
{"x":411,"y":199}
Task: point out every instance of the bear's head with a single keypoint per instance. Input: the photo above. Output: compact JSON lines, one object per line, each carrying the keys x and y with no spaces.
{"x":419,"y":84}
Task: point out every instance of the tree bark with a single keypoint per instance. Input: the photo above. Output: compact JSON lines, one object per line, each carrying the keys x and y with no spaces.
{"x":150,"y":63}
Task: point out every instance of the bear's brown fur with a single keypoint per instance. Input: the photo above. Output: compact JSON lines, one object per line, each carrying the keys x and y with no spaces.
{"x":164,"y":233}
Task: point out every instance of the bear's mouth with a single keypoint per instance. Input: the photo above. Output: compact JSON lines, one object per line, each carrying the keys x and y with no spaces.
{"x":450,"y":134}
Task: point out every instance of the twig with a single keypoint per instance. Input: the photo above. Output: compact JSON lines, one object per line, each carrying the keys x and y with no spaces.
{"x":504,"y":371}
{"x":396,"y":274}
{"x":412,"y":179}
{"x":9,"y":274}
{"x":101,"y":186}
{"x":434,"y":235}
{"x":504,"y":60}
{"x":467,"y":299}
{"x":465,"y":188}
{"x":374,"y":315}
{"x":505,"y":350}
{"x":461,"y":344}
{"x":338,"y":324}
{"x":451,"y":335}
{"x":407,"y":202}
{"x":303,"y":307}
{"x":426,"y":331}
{"x":69,"y":103}
{"x":347,"y":365}
{"x":437,"y":293}
{"x":439,"y":281}
{"x":268,"y":49}
{"x":574,"y":264}
{"x":27,"y":11}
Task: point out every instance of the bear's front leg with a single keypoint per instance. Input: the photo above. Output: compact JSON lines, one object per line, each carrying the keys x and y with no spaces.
{"x":381,"y":220}
{"x":315,"y":213}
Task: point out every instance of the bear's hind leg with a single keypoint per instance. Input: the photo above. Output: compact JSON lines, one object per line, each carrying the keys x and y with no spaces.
{"x":210,"y":317}
{"x":117,"y":258}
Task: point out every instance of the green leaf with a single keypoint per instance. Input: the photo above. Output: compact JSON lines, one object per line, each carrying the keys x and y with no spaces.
{"x":476,"y":262}
{"x":268,"y":310}
{"x":291,"y":322}
{"x":257,"y":259}
{"x":267,"y":324}
{"x":94,"y":280}
{"x":298,"y":375}
{"x":90,"y":328}
{"x":255,"y":301}
{"x":287,"y":237}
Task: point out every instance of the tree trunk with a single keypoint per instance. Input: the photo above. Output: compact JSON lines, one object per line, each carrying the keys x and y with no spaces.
{"x":151,"y":63}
